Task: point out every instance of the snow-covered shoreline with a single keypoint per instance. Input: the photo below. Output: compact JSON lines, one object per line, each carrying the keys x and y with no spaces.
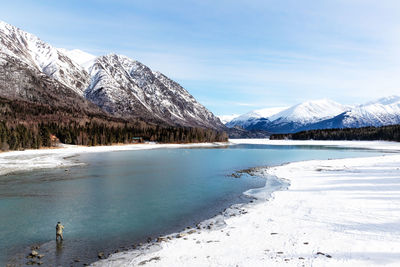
{"x":341,"y":212}
{"x":376,"y":145}
{"x":27,"y":160}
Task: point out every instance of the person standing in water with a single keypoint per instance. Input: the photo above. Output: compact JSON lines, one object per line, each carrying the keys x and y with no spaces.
{"x":59,"y":231}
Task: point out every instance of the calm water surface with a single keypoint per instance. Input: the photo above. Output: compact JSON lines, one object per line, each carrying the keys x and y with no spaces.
{"x":119,"y":198}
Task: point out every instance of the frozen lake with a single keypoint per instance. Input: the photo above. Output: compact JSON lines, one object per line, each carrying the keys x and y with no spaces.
{"x":118,"y":199}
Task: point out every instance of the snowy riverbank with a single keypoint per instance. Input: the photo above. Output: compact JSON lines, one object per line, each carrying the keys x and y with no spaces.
{"x":378,"y":145}
{"x":59,"y":157}
{"x":27,"y":160}
{"x":335,"y":213}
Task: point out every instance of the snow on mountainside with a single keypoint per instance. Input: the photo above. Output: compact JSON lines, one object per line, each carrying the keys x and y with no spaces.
{"x":126,"y":87}
{"x":227,"y":118}
{"x":28,"y":94}
{"x":247,"y":118}
{"x":384,"y":111}
{"x":394,"y":99}
{"x":310,"y":111}
{"x":290,"y":119}
{"x":47,"y":59}
{"x":84,"y":59}
{"x":323,"y":114}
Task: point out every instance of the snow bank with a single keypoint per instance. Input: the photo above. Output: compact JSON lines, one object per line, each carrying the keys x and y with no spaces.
{"x":336,"y":213}
{"x":378,"y":145}
{"x":27,"y":160}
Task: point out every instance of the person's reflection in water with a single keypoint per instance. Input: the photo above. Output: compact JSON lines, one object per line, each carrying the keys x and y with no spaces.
{"x":59,"y":252}
{"x":59,"y":248}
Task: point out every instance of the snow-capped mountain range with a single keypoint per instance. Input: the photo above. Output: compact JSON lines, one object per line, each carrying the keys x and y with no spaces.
{"x":322,"y":114}
{"x":117,"y":84}
{"x":33,"y":70}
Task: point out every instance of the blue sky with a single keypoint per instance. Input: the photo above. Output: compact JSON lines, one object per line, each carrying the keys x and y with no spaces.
{"x":236,"y":56}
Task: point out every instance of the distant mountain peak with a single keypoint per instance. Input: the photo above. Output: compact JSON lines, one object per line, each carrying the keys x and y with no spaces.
{"x":247,"y":118}
{"x":227,"y":118}
{"x":310,"y":111}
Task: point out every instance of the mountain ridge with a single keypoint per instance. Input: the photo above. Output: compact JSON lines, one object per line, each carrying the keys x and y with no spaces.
{"x":46,"y":58}
{"x":120,"y":86}
{"x":325,"y":114}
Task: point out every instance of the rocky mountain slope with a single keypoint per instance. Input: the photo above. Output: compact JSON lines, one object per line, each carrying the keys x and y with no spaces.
{"x":125,"y":87}
{"x":38,"y":54}
{"x":30,"y":96}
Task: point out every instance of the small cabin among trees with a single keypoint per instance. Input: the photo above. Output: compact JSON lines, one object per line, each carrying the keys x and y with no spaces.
{"x":137,"y":140}
{"x":54,"y":140}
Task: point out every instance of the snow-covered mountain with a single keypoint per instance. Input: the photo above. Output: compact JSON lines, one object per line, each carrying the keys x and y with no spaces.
{"x":249,"y":118}
{"x":310,"y":111}
{"x":119,"y":85}
{"x":46,"y":58}
{"x":323,"y":114}
{"x":384,"y":111}
{"x":288,"y":119}
{"x":126,"y":87}
{"x":26,"y":92}
{"x":300,"y":115}
{"x":227,"y":118}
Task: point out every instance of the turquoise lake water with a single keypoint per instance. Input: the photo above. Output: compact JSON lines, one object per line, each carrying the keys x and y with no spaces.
{"x":118,"y":199}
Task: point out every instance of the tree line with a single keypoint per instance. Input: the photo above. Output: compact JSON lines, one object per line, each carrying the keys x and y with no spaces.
{"x":34,"y":136}
{"x":385,"y":133}
{"x":28,"y":125}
